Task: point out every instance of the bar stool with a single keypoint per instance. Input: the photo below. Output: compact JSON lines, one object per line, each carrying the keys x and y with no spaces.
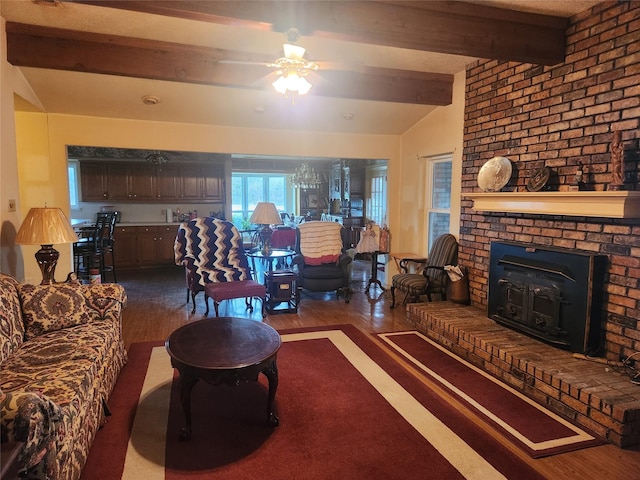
{"x":89,"y":253}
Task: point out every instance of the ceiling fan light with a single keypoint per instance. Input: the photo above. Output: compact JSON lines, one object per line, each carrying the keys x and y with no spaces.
{"x":303,"y":86}
{"x":297,"y":83}
{"x":292,"y":82}
{"x":280,"y":85}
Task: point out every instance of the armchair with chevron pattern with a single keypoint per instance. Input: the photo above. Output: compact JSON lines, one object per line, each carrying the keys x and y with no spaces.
{"x":212,"y":252}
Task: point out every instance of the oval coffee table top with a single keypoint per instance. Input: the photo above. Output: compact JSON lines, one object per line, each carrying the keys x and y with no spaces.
{"x":223,"y":343}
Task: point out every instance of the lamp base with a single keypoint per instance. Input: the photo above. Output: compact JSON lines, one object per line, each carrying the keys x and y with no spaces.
{"x":266,"y":249}
{"x":265,"y":239}
{"x":47,"y":258}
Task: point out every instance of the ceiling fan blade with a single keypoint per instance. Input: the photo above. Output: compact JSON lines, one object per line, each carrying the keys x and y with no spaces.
{"x":322,"y":65}
{"x":264,"y":81}
{"x":242,"y":62}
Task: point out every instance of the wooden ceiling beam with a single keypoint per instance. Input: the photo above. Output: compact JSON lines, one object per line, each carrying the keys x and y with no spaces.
{"x":59,"y":49}
{"x":450,"y":27}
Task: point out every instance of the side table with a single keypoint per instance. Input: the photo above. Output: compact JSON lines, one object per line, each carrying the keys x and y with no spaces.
{"x":280,"y":257}
{"x":283,"y":294}
{"x":373,"y":280}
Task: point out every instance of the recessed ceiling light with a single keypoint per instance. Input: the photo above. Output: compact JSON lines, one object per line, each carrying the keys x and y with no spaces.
{"x":347,"y":116}
{"x":150,"y":100}
{"x":259,"y":109}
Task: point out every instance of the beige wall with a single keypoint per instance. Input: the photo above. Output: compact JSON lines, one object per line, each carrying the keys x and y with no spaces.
{"x":12,"y":82}
{"x":436,"y":134}
{"x":74,"y":130}
{"x":440,"y":132}
{"x":43,"y":182}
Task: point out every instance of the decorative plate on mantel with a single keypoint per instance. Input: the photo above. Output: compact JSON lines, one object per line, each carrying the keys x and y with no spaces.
{"x":539,"y":179}
{"x":494,"y":174}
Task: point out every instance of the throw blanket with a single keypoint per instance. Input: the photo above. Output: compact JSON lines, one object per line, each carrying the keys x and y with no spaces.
{"x":212,"y":249}
{"x":320,"y":242}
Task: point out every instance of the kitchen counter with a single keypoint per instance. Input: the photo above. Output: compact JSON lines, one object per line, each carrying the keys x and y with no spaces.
{"x":146,"y":224}
{"x":84,"y":222}
{"x":80,"y":222}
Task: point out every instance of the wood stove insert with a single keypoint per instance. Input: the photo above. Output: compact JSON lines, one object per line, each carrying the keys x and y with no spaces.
{"x":551,"y":294}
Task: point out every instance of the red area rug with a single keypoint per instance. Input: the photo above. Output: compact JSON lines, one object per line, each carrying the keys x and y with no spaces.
{"x":347,"y":410}
{"x":535,"y":429}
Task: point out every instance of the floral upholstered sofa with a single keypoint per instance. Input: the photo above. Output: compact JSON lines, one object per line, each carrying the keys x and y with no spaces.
{"x":61,"y":351}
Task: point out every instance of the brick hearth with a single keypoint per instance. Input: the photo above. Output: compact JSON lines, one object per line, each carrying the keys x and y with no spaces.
{"x":587,"y":392}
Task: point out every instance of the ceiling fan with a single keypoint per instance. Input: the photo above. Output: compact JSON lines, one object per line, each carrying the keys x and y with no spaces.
{"x":291,"y":69}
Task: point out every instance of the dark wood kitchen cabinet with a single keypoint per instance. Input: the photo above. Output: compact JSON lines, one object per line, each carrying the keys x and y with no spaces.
{"x":118,"y":181}
{"x":213,"y":183}
{"x":145,"y":246}
{"x":190,"y":183}
{"x":167,"y":183}
{"x":166,"y":239}
{"x":93,"y":181}
{"x":142,"y":182}
{"x":125,"y":246}
{"x":155,"y":245}
{"x":202,"y":182}
{"x":131,"y":182}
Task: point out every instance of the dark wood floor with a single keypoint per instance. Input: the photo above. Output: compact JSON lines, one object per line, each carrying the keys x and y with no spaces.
{"x":157,"y":306}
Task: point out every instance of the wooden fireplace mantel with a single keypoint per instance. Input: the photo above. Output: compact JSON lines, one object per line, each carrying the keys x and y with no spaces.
{"x":608,"y":204}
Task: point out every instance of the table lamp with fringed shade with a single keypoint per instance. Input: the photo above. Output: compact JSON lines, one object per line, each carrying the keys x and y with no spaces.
{"x":44,"y":227}
{"x":265,"y":214}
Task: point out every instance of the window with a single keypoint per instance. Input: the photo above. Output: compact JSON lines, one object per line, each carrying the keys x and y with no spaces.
{"x":438,"y":200}
{"x":247,"y":189}
{"x":377,"y":199}
{"x":74,"y":180}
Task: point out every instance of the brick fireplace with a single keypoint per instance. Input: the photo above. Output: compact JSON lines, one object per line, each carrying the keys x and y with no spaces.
{"x":561,"y":117}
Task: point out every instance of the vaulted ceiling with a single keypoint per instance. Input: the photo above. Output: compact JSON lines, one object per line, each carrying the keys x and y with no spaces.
{"x":383,"y":65}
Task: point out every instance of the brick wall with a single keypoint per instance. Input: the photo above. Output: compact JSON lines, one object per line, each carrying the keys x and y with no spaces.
{"x":562,"y":117}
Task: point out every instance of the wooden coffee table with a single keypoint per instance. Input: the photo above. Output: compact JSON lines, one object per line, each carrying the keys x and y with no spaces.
{"x":224,"y":350}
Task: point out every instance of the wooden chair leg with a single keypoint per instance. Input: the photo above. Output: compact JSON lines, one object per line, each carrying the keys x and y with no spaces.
{"x":103,"y":273}
{"x":193,"y":299}
{"x":113,"y":265}
{"x":393,"y":297}
{"x":248,"y":301}
{"x":347,"y":291}
{"x":215,"y":307}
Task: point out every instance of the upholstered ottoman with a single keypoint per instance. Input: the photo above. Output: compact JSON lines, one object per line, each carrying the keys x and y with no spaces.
{"x":247,"y":289}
